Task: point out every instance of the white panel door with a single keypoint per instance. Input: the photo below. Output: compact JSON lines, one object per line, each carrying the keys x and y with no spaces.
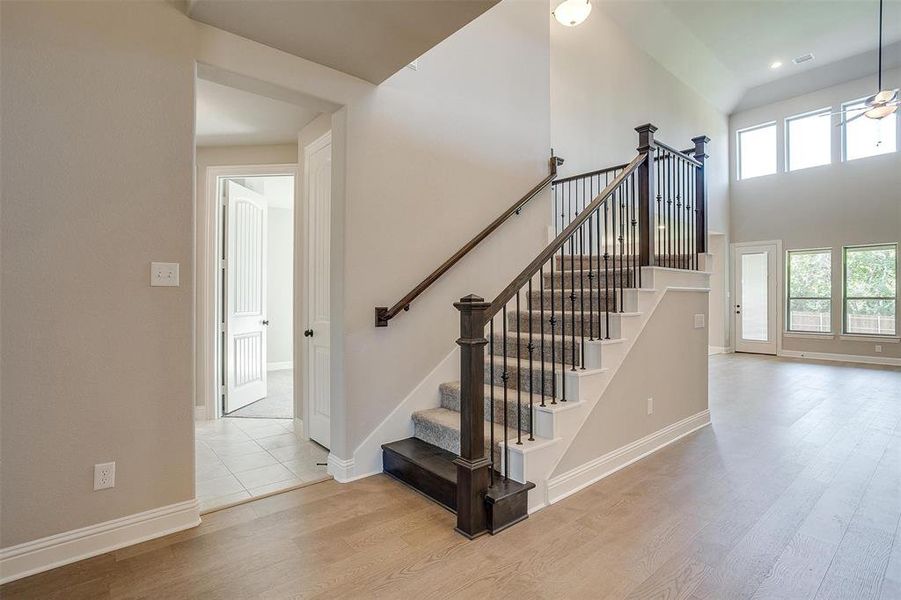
{"x":245,"y":302}
{"x":318,"y":198}
{"x":755,"y":306}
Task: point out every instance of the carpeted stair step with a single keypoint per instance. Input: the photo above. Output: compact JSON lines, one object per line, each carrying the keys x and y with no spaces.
{"x":580,"y":279}
{"x":441,"y":427}
{"x":450,"y":399}
{"x":518,"y":344}
{"x":603,"y":299}
{"x":526,"y":379}
{"x":595,"y":324}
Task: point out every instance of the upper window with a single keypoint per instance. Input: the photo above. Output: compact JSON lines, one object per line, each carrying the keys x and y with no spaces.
{"x":810,"y":290}
{"x":867,"y":137}
{"x":808,"y":140}
{"x":757,"y":151}
{"x":870,"y":289}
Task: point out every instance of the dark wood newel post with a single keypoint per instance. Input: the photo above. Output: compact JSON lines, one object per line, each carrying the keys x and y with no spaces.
{"x":473,"y":463}
{"x":646,"y":196}
{"x":701,"y":188}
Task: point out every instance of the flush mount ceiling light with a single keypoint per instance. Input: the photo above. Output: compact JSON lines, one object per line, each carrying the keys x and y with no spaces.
{"x":776,"y":64}
{"x":572,"y":12}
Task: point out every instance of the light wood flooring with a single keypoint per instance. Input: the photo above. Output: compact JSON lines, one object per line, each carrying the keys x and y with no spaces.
{"x":793,"y":492}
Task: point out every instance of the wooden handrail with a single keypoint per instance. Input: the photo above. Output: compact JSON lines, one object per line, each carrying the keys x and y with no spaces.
{"x":383,"y":314}
{"x":589,"y":174}
{"x":680,"y":153}
{"x":498,"y":303}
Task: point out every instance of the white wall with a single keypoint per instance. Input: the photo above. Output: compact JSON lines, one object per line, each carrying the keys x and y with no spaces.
{"x":97,"y":182}
{"x":856,"y":202}
{"x":280,"y":285}
{"x":603,"y":86}
{"x":431,"y":156}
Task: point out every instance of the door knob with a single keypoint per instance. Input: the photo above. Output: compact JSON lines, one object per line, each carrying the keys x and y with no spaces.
{"x":308,"y":333}
{"x":265,"y":322}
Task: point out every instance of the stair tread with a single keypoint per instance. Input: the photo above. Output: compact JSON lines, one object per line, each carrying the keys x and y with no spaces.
{"x":498,"y":393}
{"x":450,"y":419}
{"x":427,"y":456}
{"x":548,"y":337}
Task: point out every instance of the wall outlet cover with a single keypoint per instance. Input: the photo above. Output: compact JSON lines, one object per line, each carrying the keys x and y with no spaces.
{"x":650,"y":406}
{"x":104,"y":476}
{"x":699,"y":321}
{"x":878,"y":347}
{"x":163,"y":274}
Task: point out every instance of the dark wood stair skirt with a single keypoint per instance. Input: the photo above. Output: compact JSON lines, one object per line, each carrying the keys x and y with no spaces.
{"x":431,"y":471}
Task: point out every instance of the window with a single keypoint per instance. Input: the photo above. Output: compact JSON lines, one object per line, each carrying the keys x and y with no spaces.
{"x":867,"y":137}
{"x":810,"y":290}
{"x":757,"y":151}
{"x":870,"y":289}
{"x":808,"y":140}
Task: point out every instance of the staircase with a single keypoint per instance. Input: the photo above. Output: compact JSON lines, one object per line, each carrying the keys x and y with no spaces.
{"x":536,"y":360}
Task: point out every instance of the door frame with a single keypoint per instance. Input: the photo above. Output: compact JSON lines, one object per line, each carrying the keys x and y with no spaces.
{"x":301,"y":374}
{"x":207,"y":283}
{"x":733,"y":288}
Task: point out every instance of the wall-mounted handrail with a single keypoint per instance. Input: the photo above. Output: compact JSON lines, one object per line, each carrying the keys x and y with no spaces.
{"x":383,"y":314}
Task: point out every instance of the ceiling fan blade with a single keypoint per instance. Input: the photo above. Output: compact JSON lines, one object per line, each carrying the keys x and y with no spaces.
{"x":846,"y":110}
{"x":846,"y":121}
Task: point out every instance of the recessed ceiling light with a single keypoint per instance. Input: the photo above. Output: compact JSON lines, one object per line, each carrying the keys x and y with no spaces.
{"x":776,"y":64}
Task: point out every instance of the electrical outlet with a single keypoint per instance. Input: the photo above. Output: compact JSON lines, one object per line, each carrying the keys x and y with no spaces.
{"x":650,"y":406}
{"x":699,"y":321}
{"x":104,"y":476}
{"x":878,"y":347}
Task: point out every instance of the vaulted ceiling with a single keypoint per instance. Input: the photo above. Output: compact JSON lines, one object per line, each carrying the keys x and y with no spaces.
{"x":370,"y":39}
{"x":724,"y":48}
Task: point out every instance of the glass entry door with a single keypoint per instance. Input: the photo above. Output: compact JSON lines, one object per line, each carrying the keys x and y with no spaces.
{"x":755,"y":308}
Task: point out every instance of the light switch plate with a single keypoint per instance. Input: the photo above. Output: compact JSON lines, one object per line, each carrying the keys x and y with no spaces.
{"x":699,"y":321}
{"x":163,"y":274}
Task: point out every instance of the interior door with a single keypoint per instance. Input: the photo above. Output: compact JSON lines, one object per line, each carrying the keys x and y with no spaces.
{"x":245,"y":303}
{"x":755,"y":304}
{"x":318,"y":198}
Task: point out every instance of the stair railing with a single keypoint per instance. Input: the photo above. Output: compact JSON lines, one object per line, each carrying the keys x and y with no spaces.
{"x":383,"y":314}
{"x":604,"y":236}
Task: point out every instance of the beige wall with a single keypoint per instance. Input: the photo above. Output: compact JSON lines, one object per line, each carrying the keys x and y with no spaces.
{"x":603,"y":86}
{"x":97,"y":182}
{"x":844,"y":203}
{"x":677,"y":382}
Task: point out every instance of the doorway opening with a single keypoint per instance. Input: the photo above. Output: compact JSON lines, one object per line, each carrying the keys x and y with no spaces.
{"x":260,"y":232}
{"x":256,"y":285}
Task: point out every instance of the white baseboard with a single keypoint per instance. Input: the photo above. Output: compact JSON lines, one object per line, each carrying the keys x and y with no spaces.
{"x":851,"y":358}
{"x":279,"y":366}
{"x":711,"y":350}
{"x":63,"y":548}
{"x":344,"y":470}
{"x":572,"y":481}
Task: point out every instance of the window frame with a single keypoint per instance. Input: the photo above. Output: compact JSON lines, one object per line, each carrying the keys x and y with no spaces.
{"x":845,"y":297}
{"x":786,"y":125}
{"x":844,"y":132}
{"x":738,"y":133}
{"x":789,"y":297}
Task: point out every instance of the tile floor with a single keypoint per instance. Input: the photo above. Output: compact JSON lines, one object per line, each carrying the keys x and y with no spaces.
{"x":238,"y":459}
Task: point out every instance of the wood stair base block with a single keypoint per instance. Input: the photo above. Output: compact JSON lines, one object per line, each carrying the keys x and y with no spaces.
{"x":432,"y":472}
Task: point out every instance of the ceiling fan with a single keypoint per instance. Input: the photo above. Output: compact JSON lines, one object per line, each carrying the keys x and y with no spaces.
{"x":882,"y":103}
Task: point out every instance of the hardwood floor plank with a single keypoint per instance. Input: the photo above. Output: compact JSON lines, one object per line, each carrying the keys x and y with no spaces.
{"x":793,"y":492}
